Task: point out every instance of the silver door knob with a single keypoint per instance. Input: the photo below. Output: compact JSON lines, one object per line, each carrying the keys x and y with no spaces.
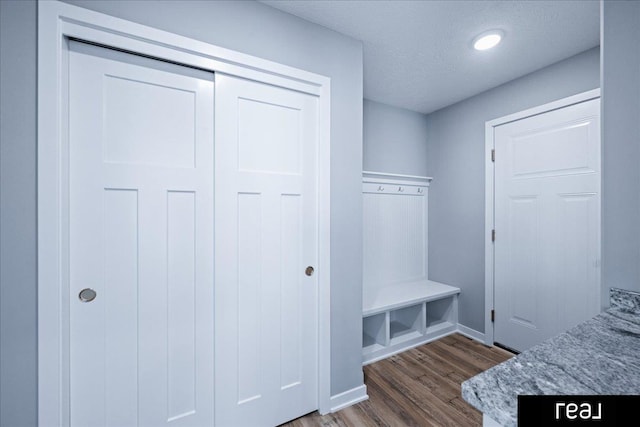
{"x":87,"y":295}
{"x":309,"y":271}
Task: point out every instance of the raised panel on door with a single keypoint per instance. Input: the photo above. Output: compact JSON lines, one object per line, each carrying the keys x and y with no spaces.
{"x":141,"y":236}
{"x":547,"y":221}
{"x":578,"y":242}
{"x":266,"y":235}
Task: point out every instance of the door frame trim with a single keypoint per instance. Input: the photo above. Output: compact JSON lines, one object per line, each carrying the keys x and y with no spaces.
{"x":57,"y":23}
{"x":489,"y":144}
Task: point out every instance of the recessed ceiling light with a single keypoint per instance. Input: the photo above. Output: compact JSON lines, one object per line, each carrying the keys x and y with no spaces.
{"x":487,"y":40}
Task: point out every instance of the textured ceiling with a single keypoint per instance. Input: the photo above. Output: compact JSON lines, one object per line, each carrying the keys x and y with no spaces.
{"x":418,"y":54}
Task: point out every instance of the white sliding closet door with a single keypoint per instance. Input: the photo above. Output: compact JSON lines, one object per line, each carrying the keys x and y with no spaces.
{"x":266,"y":228}
{"x":141,"y":241}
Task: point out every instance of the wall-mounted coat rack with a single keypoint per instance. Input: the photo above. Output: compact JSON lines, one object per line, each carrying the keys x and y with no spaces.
{"x":402,"y":308}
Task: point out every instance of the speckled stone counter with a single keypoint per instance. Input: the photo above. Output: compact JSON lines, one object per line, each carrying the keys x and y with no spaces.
{"x":599,"y":356}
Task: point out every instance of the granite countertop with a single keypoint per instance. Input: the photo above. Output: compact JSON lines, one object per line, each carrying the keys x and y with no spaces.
{"x":599,"y":356}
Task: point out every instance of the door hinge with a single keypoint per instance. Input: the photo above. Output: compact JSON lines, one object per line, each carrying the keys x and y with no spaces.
{"x":493,"y":155}
{"x":493,"y":235}
{"x":493,"y":315}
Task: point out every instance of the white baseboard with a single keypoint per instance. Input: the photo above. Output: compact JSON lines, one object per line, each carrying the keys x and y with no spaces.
{"x":348,"y":398}
{"x":471,"y":333}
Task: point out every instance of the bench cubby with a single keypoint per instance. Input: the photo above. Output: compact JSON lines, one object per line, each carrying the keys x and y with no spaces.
{"x":405,"y":315}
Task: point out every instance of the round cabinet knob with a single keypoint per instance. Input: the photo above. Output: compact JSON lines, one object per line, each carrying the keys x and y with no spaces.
{"x":309,"y":271}
{"x":87,"y":295}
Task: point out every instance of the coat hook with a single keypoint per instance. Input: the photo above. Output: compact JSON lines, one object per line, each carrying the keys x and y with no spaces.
{"x":400,"y":189}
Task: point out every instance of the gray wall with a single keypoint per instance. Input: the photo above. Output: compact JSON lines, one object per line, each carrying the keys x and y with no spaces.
{"x":18,"y":351}
{"x":395,"y":139}
{"x":248,"y":27}
{"x":456,"y":162}
{"x":621,"y":146}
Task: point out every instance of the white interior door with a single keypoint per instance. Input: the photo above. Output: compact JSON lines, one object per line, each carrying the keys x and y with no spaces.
{"x":547,"y":222}
{"x":266,"y":229}
{"x":141,"y":237}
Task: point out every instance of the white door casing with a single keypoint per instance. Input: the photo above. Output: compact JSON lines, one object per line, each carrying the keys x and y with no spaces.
{"x":58,"y":23}
{"x":266,"y":235}
{"x":547,"y":222}
{"x":141,"y":236}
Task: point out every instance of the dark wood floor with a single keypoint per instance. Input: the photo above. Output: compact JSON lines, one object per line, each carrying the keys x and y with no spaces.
{"x":419,"y":387}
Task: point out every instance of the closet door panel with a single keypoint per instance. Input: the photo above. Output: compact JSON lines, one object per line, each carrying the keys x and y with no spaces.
{"x":266,"y":236}
{"x":141,"y":241}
